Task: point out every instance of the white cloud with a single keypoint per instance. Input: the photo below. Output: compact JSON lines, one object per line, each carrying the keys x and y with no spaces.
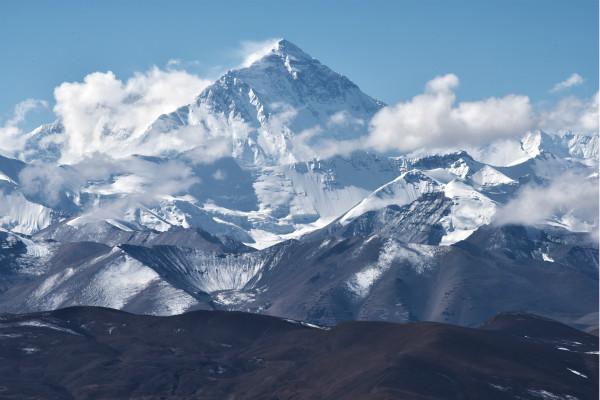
{"x":105,"y":114}
{"x":301,"y":143}
{"x":432,"y":119}
{"x":23,"y":108}
{"x":572,"y":113}
{"x":344,"y":118}
{"x":131,"y":179}
{"x":573,"y":80}
{"x":45,"y":183}
{"x":328,"y":148}
{"x":220,"y":175}
{"x":570,"y":199}
{"x":442,"y":84}
{"x":11,"y":136}
{"x":252,"y":51}
{"x":209,"y":150}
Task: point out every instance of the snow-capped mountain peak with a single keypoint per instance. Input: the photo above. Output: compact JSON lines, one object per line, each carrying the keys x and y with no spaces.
{"x":563,"y":144}
{"x":288,"y":53}
{"x":270,"y":112}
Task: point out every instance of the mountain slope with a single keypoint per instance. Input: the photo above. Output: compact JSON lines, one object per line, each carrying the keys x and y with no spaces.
{"x":323,"y":280}
{"x":100,"y":353}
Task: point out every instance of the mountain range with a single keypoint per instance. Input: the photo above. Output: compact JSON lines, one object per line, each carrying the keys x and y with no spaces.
{"x":246,"y":200}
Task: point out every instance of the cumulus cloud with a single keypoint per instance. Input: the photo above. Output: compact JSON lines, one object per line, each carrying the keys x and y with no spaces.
{"x":573,"y":80}
{"x":105,"y":114}
{"x":252,"y":51}
{"x":433,"y":119}
{"x":572,"y":113}
{"x":570,"y":199}
{"x":12,"y":136}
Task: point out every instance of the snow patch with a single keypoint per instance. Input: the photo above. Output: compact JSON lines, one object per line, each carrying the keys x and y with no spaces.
{"x":577,"y":373}
{"x":545,"y":395}
{"x":307,"y":324}
{"x":171,"y":301}
{"x":403,"y":190}
{"x":49,"y":284}
{"x":30,"y":350}
{"x":119,"y":225}
{"x":233,"y":297}
{"x":6,"y":178}
{"x":470,"y":210}
{"x":36,"y":248}
{"x":40,"y":324}
{"x":118,"y":282}
{"x":361,"y":283}
{"x":22,"y":216}
{"x":546,"y":257}
{"x":488,"y":176}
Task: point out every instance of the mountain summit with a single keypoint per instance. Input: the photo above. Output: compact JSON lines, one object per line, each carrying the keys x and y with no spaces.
{"x":271,"y":110}
{"x":284,"y":49}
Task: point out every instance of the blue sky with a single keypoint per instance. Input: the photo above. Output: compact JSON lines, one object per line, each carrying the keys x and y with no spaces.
{"x":389,"y":48}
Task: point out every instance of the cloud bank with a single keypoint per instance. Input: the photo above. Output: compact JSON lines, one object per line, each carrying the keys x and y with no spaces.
{"x":433,"y":119}
{"x":103,"y":114}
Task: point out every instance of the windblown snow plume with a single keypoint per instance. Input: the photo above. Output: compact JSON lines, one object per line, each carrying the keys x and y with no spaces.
{"x":252,"y":51}
{"x":12,"y":136}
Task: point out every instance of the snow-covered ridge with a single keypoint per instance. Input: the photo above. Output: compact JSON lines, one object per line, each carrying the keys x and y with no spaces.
{"x":403,"y":190}
{"x":488,"y":176}
{"x":266,"y":205}
{"x":243,"y":167}
{"x":562,"y":144}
